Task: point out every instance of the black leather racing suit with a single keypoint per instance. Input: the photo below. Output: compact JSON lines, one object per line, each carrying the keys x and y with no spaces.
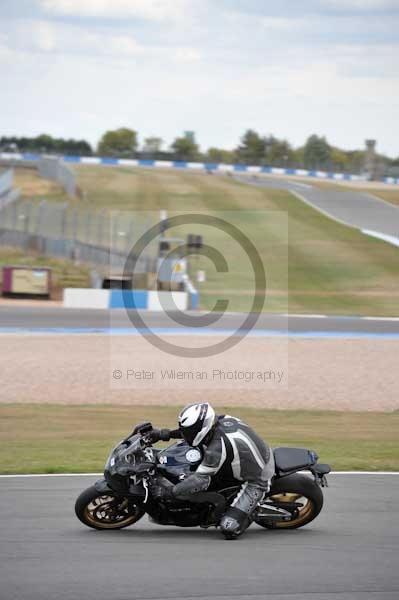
{"x":234,"y":454}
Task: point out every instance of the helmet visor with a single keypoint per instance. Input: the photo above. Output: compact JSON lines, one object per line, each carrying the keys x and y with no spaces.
{"x":190,"y":433}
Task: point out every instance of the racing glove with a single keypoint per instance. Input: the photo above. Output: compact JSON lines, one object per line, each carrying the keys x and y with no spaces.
{"x":164,"y":435}
{"x":142,"y":428}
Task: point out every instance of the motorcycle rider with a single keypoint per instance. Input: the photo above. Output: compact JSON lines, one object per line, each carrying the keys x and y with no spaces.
{"x":232,"y":452}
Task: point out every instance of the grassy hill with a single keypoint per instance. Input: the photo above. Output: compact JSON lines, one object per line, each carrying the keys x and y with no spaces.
{"x":326,"y":267}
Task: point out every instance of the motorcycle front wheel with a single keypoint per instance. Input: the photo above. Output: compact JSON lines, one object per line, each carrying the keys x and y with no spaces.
{"x":298,"y":491}
{"x":100,"y":511}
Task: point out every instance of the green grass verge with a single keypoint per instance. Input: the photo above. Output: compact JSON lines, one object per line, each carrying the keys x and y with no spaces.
{"x":68,"y":439}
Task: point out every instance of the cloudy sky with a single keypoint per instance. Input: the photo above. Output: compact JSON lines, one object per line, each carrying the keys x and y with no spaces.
{"x":74,"y":68}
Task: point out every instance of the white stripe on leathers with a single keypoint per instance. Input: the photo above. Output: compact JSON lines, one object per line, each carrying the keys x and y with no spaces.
{"x":236,"y":466}
{"x":240,"y":493}
{"x":236,"y":463}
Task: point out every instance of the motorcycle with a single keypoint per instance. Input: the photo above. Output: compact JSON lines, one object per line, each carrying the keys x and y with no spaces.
{"x":123,"y":495}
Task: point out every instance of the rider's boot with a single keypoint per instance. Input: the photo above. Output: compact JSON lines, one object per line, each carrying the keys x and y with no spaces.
{"x":234,"y":523}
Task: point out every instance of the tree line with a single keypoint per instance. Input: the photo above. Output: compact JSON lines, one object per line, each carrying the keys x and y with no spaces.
{"x":253,"y":149}
{"x":43,"y":144}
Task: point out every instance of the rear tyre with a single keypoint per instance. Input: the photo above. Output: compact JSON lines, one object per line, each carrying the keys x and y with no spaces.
{"x":100,"y":511}
{"x":294,"y":489}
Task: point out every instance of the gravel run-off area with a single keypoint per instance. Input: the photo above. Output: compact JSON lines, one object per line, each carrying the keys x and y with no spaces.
{"x":327,"y":374}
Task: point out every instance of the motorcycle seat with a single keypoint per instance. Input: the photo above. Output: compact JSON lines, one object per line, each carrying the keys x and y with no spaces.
{"x":293,"y":459}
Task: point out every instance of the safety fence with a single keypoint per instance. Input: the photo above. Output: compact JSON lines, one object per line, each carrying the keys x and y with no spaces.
{"x":109,"y":259}
{"x":6,"y":181}
{"x":7,"y":193}
{"x":196,"y":166}
{"x":76,"y":233}
{"x":8,"y":198}
{"x":119,"y":229}
{"x":55,"y":169}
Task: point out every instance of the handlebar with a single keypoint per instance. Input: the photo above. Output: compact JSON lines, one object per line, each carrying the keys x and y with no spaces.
{"x":150,"y":435}
{"x":143,"y":428}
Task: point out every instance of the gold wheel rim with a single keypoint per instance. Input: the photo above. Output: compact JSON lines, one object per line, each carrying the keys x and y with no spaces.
{"x":103,"y":501}
{"x":303,"y":512}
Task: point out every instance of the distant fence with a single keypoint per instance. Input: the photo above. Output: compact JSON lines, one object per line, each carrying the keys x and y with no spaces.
{"x":196,"y":166}
{"x":8,"y":198}
{"x":51,"y":167}
{"x":6,"y":181}
{"x":7,"y":193}
{"x":119,"y":229}
{"x":74,"y":250}
{"x":60,"y":230}
{"x":72,"y":232}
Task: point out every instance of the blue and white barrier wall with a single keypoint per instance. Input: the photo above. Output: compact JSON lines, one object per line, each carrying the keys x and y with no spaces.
{"x":198,"y":166}
{"x":140,"y":299}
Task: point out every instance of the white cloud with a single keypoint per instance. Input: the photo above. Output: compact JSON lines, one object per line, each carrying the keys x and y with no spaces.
{"x":361,"y":4}
{"x":371,"y":61}
{"x":6,"y":54}
{"x":44,"y":36}
{"x":112,"y":45}
{"x":151,"y":10}
{"x":280,"y":23}
{"x":186,"y":54}
{"x":60,"y":38}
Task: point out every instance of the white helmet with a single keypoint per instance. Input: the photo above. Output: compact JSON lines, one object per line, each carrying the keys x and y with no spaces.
{"x":196,"y":421}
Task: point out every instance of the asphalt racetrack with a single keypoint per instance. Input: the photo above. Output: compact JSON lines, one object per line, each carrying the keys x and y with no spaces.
{"x":354,"y":208}
{"x":43,"y":318}
{"x":349,"y":553}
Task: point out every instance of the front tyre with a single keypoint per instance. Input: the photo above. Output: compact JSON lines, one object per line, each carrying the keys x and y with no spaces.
{"x":100,"y":511}
{"x":298,"y":491}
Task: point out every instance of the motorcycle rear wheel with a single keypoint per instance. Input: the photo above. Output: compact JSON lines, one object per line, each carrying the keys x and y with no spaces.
{"x":100,"y":511}
{"x":295,"y":488}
